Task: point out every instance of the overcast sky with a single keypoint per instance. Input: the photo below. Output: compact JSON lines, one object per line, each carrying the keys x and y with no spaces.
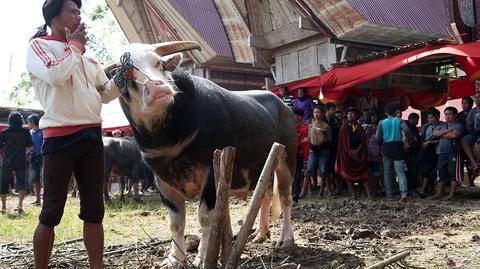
{"x":19,"y":20}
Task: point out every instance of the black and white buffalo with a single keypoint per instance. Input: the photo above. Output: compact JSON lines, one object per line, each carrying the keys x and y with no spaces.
{"x":178,"y":120}
{"x":122,"y":159}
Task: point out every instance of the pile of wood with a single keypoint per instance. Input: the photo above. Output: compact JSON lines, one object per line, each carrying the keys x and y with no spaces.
{"x":223,"y":162}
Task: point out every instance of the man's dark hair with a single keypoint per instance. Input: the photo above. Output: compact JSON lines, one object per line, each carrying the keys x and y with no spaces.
{"x":355,"y":111}
{"x":50,"y":10}
{"x":434,"y":112}
{"x":33,"y":119}
{"x":391,"y":109}
{"x":297,"y":111}
{"x":413,"y":116}
{"x":319,"y":107}
{"x":372,"y":112}
{"x":329,"y":105}
{"x":451,"y":108}
{"x":15,"y":120}
{"x":468,"y":99}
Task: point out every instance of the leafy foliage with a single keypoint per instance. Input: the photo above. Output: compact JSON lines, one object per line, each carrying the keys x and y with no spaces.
{"x":22,"y":94}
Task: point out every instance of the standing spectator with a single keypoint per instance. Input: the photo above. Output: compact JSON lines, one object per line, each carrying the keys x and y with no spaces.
{"x":352,"y":159}
{"x":407,"y":138}
{"x":412,"y":151}
{"x":334,"y":124}
{"x":374,"y":153}
{"x":35,"y":155}
{"x":319,"y":136}
{"x":473,"y":130}
{"x":428,"y":154}
{"x":389,"y":134}
{"x":364,"y":118}
{"x":449,"y":162}
{"x":367,"y":101}
{"x":15,"y":140}
{"x":71,"y":88}
{"x":302,"y":153}
{"x":117,"y":133}
{"x":305,"y":103}
{"x":286,"y":98}
{"x":467,"y":104}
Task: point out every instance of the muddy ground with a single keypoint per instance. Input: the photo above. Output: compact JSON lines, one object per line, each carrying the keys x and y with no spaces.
{"x":343,"y":233}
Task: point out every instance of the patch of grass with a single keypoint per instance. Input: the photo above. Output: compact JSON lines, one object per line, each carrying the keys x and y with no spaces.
{"x":123,"y":223}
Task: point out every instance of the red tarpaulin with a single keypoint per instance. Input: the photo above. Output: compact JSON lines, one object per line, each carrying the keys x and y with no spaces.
{"x":341,"y":82}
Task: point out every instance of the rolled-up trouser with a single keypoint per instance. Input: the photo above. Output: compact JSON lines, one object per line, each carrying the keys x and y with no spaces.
{"x":36,"y":168}
{"x":411,"y":173}
{"x":84,"y":158}
{"x":399,"y":167}
{"x":320,"y":159}
{"x":7,"y":178}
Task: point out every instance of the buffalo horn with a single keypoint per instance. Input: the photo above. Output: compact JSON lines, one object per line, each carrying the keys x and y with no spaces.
{"x":167,"y":48}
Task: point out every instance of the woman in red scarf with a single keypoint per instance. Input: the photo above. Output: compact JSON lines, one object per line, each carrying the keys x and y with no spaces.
{"x":352,"y":157}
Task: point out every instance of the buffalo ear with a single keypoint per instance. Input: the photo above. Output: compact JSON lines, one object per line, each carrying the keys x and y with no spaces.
{"x":171,"y":62}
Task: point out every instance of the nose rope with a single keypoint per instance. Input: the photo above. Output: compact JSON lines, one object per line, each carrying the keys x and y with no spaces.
{"x":126,"y":63}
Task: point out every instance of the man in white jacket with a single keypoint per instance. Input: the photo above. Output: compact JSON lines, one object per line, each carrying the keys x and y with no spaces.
{"x":71,"y":89}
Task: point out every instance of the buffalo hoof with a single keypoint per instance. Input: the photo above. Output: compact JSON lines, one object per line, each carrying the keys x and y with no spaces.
{"x":258,"y":237}
{"x":285,"y":244}
{"x":172,"y":263}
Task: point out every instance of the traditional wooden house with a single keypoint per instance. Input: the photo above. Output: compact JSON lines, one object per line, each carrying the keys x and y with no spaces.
{"x":297,"y":42}
{"x":225,"y":57}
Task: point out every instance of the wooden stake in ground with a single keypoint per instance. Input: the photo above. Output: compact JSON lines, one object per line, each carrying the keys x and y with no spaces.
{"x":262,"y":185}
{"x":395,"y":258}
{"x":223,"y":179}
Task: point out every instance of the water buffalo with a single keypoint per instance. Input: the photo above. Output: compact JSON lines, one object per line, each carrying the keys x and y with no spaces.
{"x":122,"y":158}
{"x":178,"y":120}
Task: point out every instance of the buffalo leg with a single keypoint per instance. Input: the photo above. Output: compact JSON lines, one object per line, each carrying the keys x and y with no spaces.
{"x":176,"y":223}
{"x":284,"y":178}
{"x":205,"y":218}
{"x":262,"y":232}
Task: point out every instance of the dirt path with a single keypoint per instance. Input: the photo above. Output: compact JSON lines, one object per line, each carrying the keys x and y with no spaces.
{"x":334,"y":232}
{"x":343,"y":233}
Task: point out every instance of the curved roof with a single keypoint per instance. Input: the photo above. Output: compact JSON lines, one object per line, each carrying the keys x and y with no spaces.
{"x":425,"y":16}
{"x":203,"y":16}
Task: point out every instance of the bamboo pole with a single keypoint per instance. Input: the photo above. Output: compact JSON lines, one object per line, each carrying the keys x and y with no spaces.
{"x":395,"y":258}
{"x":224,"y":179}
{"x":262,"y":185}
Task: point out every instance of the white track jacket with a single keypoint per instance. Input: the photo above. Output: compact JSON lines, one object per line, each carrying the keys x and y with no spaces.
{"x":70,"y":86}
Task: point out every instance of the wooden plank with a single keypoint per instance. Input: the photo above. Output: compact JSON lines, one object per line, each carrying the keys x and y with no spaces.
{"x":306,"y":24}
{"x":262,"y":185}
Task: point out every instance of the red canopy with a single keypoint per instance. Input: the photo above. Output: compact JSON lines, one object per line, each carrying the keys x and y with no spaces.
{"x":340,"y":82}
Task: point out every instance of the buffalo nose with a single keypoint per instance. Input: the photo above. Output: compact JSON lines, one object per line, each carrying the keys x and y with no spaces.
{"x":156,"y":89}
{"x":158,"y":82}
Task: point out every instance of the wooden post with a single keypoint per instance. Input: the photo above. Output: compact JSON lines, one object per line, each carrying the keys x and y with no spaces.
{"x":262,"y":185}
{"x":395,"y":258}
{"x":224,"y":179}
{"x":226,"y":239}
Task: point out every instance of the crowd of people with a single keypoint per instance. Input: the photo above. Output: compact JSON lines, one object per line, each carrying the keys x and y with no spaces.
{"x":362,"y":142}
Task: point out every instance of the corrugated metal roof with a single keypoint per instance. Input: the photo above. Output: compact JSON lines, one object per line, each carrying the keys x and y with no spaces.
{"x":203,"y":16}
{"x":426,"y":16}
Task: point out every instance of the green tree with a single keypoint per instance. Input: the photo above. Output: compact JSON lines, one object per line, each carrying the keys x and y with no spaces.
{"x":22,"y":94}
